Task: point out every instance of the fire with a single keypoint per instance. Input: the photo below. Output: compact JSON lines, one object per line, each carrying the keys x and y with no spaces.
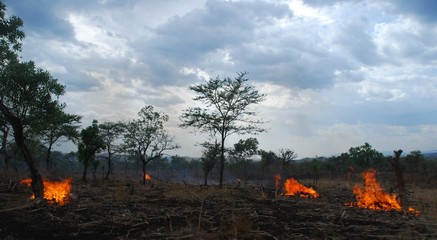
{"x":372,"y":196}
{"x":293,"y":187}
{"x":147,"y":177}
{"x":54,"y":192}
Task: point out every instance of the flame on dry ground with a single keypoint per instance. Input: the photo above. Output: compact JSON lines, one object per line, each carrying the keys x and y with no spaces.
{"x":54,"y":192}
{"x":293,"y":187}
{"x":372,"y":196}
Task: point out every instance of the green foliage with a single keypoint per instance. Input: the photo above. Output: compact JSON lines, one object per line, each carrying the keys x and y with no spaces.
{"x":240,"y":157}
{"x":365,"y":157}
{"x":91,"y":142}
{"x":110,"y":132}
{"x":28,"y":95}
{"x":415,"y":162}
{"x":209,"y":159}
{"x":10,"y":37}
{"x":146,"y":138}
{"x":227,"y":110}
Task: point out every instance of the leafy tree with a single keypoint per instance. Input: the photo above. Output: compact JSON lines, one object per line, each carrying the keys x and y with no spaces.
{"x":268,"y":159}
{"x":91,"y":142}
{"x":365,"y":156}
{"x":241,"y":153}
{"x":209,"y":159}
{"x":146,"y":138}
{"x":227,"y":110}
{"x":58,"y":126}
{"x":286,"y":157}
{"x":10,"y":37}
{"x":415,"y":161}
{"x":110,"y":132}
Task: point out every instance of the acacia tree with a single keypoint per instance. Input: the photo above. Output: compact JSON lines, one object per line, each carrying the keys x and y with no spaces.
{"x":61,"y":125}
{"x":242,"y":151}
{"x":146,"y":139}
{"x":285,"y":158}
{"x":110,"y":131}
{"x":227,"y":110}
{"x":91,"y":142}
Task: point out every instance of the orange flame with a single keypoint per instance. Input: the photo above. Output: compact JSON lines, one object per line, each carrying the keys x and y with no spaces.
{"x":293,"y":187}
{"x":54,"y":192}
{"x":147,"y":177}
{"x":372,"y":196}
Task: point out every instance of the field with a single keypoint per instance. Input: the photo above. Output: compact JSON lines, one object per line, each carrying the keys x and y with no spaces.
{"x":127,"y":209}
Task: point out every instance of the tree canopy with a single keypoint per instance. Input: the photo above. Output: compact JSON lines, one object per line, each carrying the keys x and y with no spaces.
{"x":146,"y":137}
{"x":226,"y":110}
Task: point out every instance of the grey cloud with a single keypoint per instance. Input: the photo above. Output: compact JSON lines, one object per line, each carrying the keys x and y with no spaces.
{"x":354,"y":39}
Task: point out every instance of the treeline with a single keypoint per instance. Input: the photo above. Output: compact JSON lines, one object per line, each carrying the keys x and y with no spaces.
{"x":251,"y":166}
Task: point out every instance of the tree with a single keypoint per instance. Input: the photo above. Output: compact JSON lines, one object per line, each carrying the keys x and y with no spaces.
{"x":91,"y":142}
{"x":241,"y":153}
{"x":146,"y":138}
{"x":365,"y":156}
{"x":60,"y":125}
{"x":395,"y":163}
{"x":227,"y":110}
{"x":415,"y":161}
{"x":209,"y":159}
{"x":268,"y":160}
{"x":28,"y":95}
{"x":285,"y":157}
{"x":5,"y":130}
{"x":110,"y":131}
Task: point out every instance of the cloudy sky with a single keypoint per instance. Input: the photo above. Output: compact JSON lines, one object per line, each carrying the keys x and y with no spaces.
{"x":337,"y":74}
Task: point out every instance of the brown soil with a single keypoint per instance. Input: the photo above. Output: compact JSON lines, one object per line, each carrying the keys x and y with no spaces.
{"x":129,"y":210}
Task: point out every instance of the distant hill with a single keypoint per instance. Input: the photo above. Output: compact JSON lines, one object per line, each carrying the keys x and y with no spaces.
{"x":430,"y":154}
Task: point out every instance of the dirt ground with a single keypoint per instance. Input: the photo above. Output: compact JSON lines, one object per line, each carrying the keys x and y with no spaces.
{"x":126,"y":209}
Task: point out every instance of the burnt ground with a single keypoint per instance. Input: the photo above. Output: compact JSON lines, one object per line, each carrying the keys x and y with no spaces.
{"x":129,"y":210}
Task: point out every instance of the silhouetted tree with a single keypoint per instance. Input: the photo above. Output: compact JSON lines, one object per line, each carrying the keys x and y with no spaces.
{"x":226,"y":112}
{"x":146,"y":138}
{"x":91,"y":142}
{"x":241,"y":153}
{"x":210,"y":157}
{"x":60,"y":125}
{"x":110,"y":132}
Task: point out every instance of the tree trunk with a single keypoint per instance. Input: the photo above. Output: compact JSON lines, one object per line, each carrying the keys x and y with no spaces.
{"x":48,"y":160}
{"x":400,"y":179}
{"x":5,"y":154}
{"x":205,"y":177}
{"x":109,"y":163}
{"x":37,"y":184}
{"x":144,"y":172}
{"x":17,"y":126}
{"x":222,"y":161}
{"x":85,"y":169}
